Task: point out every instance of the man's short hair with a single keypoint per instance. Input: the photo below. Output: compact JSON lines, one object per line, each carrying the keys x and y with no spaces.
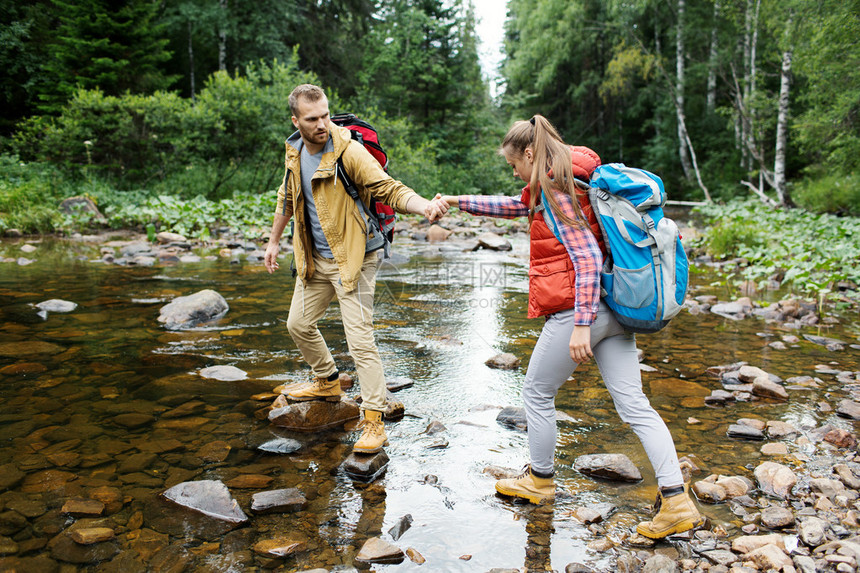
{"x":308,"y":92}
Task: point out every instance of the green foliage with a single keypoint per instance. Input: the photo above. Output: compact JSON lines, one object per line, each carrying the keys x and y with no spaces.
{"x":810,"y":252}
{"x":28,"y":196}
{"x":834,"y":193}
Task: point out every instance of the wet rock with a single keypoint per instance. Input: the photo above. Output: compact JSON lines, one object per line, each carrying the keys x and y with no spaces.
{"x":394,"y":408}
{"x":414,"y":556}
{"x":207,"y":497}
{"x":846,"y":408}
{"x":377,"y":550}
{"x":57,"y":305}
{"x":504,"y":361}
{"x":83,"y":507}
{"x":280,"y":446}
{"x":437,"y":233}
{"x":10,"y":476}
{"x":64,"y":548}
{"x":224,"y":373}
{"x":721,"y":557}
{"x":133,"y":420}
{"x":775,"y":479}
{"x":8,"y":546}
{"x":23,"y":369}
{"x":830,"y":488}
{"x":744,"y":432}
{"x":166,"y":237}
{"x":848,"y":477}
{"x":191,"y":408}
{"x":735,"y":486}
{"x":214,"y":452}
{"x":250,"y":481}
{"x":92,"y":535}
{"x":434,"y":427}
{"x":189,"y":311}
{"x":776,"y":517}
{"x":493,"y":242}
{"x":28,"y":348}
{"x":616,"y":467}
{"x":747,"y":543}
{"x":394,"y":383}
{"x":364,"y":467}
{"x":812,"y":531}
{"x":840,"y":438}
{"x":587,"y":515}
{"x":719,"y":397}
{"x":829,"y":343}
{"x":768,"y":389}
{"x":314,"y":415}
{"x":513,"y":417}
{"x":769,"y":558}
{"x":774,"y":449}
{"x":709,"y":492}
{"x":278,"y":501}
{"x":280,"y":546}
{"x":659,"y":564}
{"x":399,"y":528}
{"x":777,"y":430}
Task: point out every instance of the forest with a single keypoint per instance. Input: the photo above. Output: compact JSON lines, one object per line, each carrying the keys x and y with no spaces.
{"x":149,"y":106}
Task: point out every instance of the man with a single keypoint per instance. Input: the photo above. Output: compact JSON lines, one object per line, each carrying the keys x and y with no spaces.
{"x":329,"y":251}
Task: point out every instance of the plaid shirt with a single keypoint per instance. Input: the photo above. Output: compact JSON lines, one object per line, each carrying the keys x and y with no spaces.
{"x":579,"y":243}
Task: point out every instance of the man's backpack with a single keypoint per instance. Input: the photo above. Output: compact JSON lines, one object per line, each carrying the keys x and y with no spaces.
{"x":379,"y":215}
{"x":645,"y":272}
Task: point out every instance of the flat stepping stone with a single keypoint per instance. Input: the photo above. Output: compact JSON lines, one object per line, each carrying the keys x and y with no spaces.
{"x":365,"y":468}
{"x":278,"y":501}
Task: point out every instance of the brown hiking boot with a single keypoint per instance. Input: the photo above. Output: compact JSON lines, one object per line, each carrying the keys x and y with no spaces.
{"x":373,"y":436}
{"x":677,"y":513}
{"x":319,"y":389}
{"x":528,"y":486}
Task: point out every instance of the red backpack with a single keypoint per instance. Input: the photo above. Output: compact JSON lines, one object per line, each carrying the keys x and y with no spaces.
{"x":366,"y":134}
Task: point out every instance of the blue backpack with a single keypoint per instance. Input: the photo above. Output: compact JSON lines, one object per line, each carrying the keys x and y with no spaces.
{"x":644,"y":277}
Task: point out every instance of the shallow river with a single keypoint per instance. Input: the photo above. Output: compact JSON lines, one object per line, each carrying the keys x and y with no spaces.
{"x":440,"y":314}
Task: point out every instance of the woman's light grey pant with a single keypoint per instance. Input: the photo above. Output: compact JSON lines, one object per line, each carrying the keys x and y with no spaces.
{"x":615,"y":353}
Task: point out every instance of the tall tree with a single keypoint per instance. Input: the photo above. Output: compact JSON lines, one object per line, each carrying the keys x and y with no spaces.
{"x":115,"y":46}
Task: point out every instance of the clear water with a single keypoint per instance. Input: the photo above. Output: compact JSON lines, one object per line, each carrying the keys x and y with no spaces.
{"x":440,"y":314}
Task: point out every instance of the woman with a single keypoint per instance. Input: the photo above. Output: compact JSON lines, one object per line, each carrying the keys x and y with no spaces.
{"x":564,"y":287}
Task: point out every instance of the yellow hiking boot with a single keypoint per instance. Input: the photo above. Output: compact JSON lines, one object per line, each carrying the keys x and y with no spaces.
{"x":528,"y":486}
{"x":319,"y":389}
{"x":373,"y":436}
{"x":677,"y":513}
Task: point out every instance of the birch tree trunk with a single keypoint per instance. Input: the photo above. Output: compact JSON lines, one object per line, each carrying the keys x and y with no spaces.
{"x":191,"y":59}
{"x":222,"y":37}
{"x":680,"y":53}
{"x":782,"y":121}
{"x":744,"y":120}
{"x":752,"y":139}
{"x":712,"y":61}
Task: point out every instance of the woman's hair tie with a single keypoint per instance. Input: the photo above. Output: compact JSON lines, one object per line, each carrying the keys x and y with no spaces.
{"x":532,"y":120}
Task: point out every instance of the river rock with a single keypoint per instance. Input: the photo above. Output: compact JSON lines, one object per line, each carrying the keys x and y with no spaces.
{"x":189,"y":311}
{"x":848,"y":477}
{"x":23,"y":369}
{"x":279,"y":547}
{"x":777,"y":430}
{"x":709,"y":492}
{"x":278,"y":501}
{"x":768,"y":389}
{"x":81,"y":204}
{"x":79,"y":507}
{"x":91,"y":535}
{"x":746,"y":543}
{"x":10,"y":476}
{"x":28,"y":348}
{"x":165,"y":237}
{"x":846,"y":408}
{"x":659,"y":564}
{"x":224,"y":373}
{"x":776,"y":517}
{"x":280,"y":446}
{"x":769,"y":558}
{"x":503,"y":361}
{"x":840,"y":438}
{"x":616,"y":467}
{"x":744,"y":432}
{"x":735,"y":486}
{"x":57,"y":305}
{"x":314,"y":415}
{"x":774,"y":449}
{"x":829,"y":488}
{"x":214,"y":452}
{"x":437,"y":233}
{"x":63,"y":547}
{"x":721,"y":557}
{"x":207,"y":497}
{"x":377,"y":550}
{"x":494,"y":242}
{"x":775,"y":479}
{"x":402,"y":526}
{"x":513,"y":417}
{"x":812,"y":531}
{"x":365,"y":467}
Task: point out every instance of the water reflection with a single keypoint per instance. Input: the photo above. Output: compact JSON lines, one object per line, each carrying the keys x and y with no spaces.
{"x":102,"y":403}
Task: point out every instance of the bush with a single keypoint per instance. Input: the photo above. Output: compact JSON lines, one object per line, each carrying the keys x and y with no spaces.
{"x":834,"y":194}
{"x":28,"y":196}
{"x":728,"y":238}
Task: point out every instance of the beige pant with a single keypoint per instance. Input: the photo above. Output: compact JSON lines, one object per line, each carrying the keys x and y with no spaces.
{"x":310,"y":302}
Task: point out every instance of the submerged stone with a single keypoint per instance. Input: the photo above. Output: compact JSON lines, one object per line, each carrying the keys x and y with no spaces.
{"x":503,"y":361}
{"x":57,"y":305}
{"x":744,"y":432}
{"x":278,"y":501}
{"x":280,"y":446}
{"x":29,"y":348}
{"x":208,"y":497}
{"x":224,"y":373}
{"x":513,"y":417}
{"x":279,"y":547}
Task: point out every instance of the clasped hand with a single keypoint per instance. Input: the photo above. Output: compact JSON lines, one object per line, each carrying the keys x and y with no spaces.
{"x":435,"y":209}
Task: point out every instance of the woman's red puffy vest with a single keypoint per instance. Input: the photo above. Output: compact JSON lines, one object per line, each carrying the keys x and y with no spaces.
{"x":552,"y":279}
